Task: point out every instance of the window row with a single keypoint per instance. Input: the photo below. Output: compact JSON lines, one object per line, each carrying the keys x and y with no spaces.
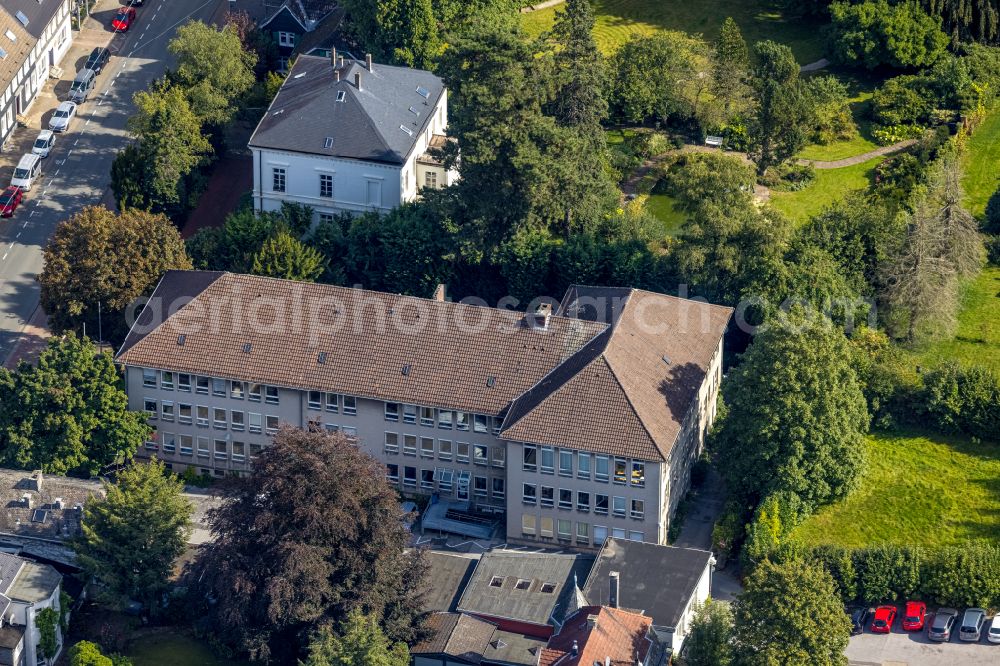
{"x":445,"y":449}
{"x":585,"y":533}
{"x":445,"y":419}
{"x":203,"y":447}
{"x":444,"y":480}
{"x":332,"y":402}
{"x":215,"y":417}
{"x":583,"y":465}
{"x":181,"y":381}
{"x":547,"y":496}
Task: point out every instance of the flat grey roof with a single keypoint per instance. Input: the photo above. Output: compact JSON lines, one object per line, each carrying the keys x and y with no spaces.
{"x":36,"y":582}
{"x":445,"y":580}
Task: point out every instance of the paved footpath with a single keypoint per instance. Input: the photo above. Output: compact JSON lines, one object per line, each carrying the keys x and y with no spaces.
{"x":858,"y":159}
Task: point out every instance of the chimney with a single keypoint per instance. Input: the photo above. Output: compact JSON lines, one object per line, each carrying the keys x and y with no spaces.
{"x":336,"y":75}
{"x":591,"y":621}
{"x":368,"y":62}
{"x":357,"y":80}
{"x":340,"y":62}
{"x":439,"y":293}
{"x":613,"y":593}
{"x":576,"y":648}
{"x":539,"y":319}
{"x":333,"y":57}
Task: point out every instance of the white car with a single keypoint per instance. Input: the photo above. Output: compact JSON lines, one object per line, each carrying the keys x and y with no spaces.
{"x":43,"y":144}
{"x":993,"y":635}
{"x":60,"y":120}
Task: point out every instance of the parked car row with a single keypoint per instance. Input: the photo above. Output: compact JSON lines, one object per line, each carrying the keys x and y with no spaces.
{"x":914,"y":618}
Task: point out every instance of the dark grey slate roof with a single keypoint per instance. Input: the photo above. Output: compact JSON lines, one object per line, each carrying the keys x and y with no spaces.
{"x":657,"y":581}
{"x":305,"y":115}
{"x":10,"y":566}
{"x":445,"y":580}
{"x":515,"y":649}
{"x":35,"y":582}
{"x":38,"y":12}
{"x":533,"y":605}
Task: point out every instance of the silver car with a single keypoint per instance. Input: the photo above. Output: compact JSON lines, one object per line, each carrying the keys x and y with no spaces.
{"x":972,"y":624}
{"x":941,"y":626}
{"x":64,"y":114}
{"x":43,"y":144}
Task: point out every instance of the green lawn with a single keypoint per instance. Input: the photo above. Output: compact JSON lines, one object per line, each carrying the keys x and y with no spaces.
{"x":918,"y":490}
{"x":862,"y":143}
{"x":982,"y":164}
{"x":175,"y":650}
{"x":619,"y":20}
{"x":828,"y":186}
{"x":661,"y":206}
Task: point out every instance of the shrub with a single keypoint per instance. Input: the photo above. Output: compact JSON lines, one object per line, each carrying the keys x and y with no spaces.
{"x":886,"y":135}
{"x":966,"y":575}
{"x":655,"y":144}
{"x":993,"y":249}
{"x":963,"y":400}
{"x":877,"y":33}
{"x":886,"y":572}
{"x":903,"y":100}
{"x":727,"y":534}
{"x":774,"y":519}
{"x":991,"y":221}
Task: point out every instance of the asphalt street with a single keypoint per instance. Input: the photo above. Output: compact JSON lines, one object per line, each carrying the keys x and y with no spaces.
{"x":77,"y":173}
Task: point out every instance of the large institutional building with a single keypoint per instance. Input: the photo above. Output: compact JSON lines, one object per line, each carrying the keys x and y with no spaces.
{"x":573,"y":425}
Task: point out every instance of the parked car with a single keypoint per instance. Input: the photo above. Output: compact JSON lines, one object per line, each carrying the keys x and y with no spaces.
{"x":993,"y":635}
{"x":124,"y":19}
{"x":63,"y":116}
{"x":914,"y":615}
{"x":28,"y":169}
{"x":884,"y":617}
{"x":942,"y":624}
{"x":43,"y":143}
{"x":10,"y":199}
{"x":83,"y":85}
{"x":98,"y":59}
{"x":972,"y":624}
{"x":859,"y":616}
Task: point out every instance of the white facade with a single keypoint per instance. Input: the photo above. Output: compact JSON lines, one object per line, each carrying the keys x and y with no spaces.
{"x":332,"y":185}
{"x":47,"y":52}
{"x":702,"y":591}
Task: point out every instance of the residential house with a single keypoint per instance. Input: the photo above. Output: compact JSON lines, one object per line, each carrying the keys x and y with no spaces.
{"x":26,"y":588}
{"x":571,"y":426}
{"x":346,"y":136}
{"x":663,"y":583}
{"x":602,"y":635}
{"x":34,"y":36}
{"x":287,"y":22}
{"x":457,"y":639}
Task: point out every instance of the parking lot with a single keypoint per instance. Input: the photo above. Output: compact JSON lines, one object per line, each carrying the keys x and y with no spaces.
{"x":903,"y":648}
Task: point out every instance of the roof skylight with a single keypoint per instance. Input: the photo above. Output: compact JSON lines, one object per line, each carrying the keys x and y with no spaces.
{"x":406,"y":129}
{"x":424,"y":92}
{"x":10,"y":35}
{"x":22,"y":18}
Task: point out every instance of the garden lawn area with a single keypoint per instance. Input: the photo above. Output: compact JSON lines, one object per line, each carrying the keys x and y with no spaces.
{"x":175,"y":650}
{"x":978,"y":338}
{"x":619,"y":20}
{"x":828,"y":186}
{"x":661,"y":206}
{"x":864,"y":142}
{"x":982,"y":164}
{"x":925,"y":490}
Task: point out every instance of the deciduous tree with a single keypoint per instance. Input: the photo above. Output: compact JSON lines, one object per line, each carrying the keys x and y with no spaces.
{"x":359,"y":642}
{"x":284,"y":256}
{"x":709,"y":641}
{"x":877,"y":32}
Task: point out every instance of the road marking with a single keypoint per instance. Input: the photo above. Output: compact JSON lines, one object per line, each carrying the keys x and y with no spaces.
{"x":11,"y":246}
{"x":88,"y":119}
{"x":25,"y":225}
{"x":5,"y":256}
{"x":18,"y":235}
{"x":53,"y":175}
{"x":77,"y":141}
{"x":31,"y":213}
{"x":68,"y":154}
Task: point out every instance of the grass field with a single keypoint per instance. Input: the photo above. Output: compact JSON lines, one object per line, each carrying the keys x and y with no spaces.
{"x":838,"y":150}
{"x":175,"y":650}
{"x":619,"y":20}
{"x":918,"y":490}
{"x":828,"y":186}
{"x":982,"y":164}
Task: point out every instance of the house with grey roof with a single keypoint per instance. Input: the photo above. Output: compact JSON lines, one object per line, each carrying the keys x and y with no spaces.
{"x":26,"y":589}
{"x":346,"y":135}
{"x":288,"y":22}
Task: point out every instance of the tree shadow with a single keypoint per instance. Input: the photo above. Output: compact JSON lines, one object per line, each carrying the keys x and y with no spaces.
{"x":682,"y":381}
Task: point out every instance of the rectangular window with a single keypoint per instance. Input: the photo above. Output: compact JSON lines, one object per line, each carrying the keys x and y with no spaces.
{"x":548,"y":496}
{"x":149,"y":405}
{"x":392,"y":411}
{"x":499,"y":456}
{"x":444,"y":478}
{"x":426,"y":447}
{"x":461,"y":421}
{"x":583,"y":465}
{"x":636,"y":536}
{"x":202,"y":419}
{"x":149,"y":378}
{"x":621,"y":476}
{"x":431,"y":179}
{"x":167,"y":410}
{"x":601,"y":468}
{"x":169,"y":442}
{"x":184,"y":382}
{"x":255,"y":422}
{"x":350,"y":404}
{"x":496,"y":425}
{"x":479,"y":486}
{"x":219,"y":418}
{"x":427,"y":479}
{"x":547,"y":460}
{"x":239,"y":451}
{"x":583,"y":502}
{"x":410,"y":477}
{"x":332,"y":402}
{"x":271,"y":395}
{"x":255,"y":450}
{"x":463,"y":452}
{"x":427,"y":416}
{"x":463,"y":484}
{"x":236,"y":390}
{"x":499,"y":488}
{"x":392,"y":472}
{"x":286,"y":39}
{"x":530,"y":454}
{"x":253,"y":393}
{"x":638,"y":508}
{"x":444,"y":419}
{"x":315,"y":400}
{"x":167,"y":381}
{"x":409,"y":445}
{"x":201,"y":385}
{"x":583,"y":533}
{"x":601,"y":504}
{"x":565,"y":462}
{"x":617,"y":533}
{"x":331,"y":427}
{"x":326,"y":185}
{"x":480,"y":423}
{"x":236,"y":421}
{"x":444,"y":449}
{"x":638,"y":474}
{"x":186,"y":443}
{"x":202,"y":447}
{"x":391,"y":442}
{"x":277,"y":179}
{"x":529,"y":493}
{"x":565,"y":498}
{"x":545,"y":527}
{"x":564,"y":529}
{"x":618,"y":506}
{"x":600,"y":535}
{"x":219,"y":387}
{"x":480,"y":454}
{"x":409,"y":413}
{"x":527,"y":524}
{"x":221,"y":451}
{"x":184,"y":413}
{"x":271,"y":424}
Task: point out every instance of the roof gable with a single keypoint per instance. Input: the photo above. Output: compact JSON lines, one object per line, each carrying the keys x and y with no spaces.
{"x":599,"y":635}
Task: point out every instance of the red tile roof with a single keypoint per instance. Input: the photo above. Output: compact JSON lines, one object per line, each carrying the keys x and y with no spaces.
{"x":614,"y":634}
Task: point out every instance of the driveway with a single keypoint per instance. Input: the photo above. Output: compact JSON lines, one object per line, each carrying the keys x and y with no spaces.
{"x":902,"y":648}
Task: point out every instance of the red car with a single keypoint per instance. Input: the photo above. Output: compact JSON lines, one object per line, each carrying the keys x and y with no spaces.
{"x":914,"y":615}
{"x":10,"y":199}
{"x":884,"y":617}
{"x":124,"y":19}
